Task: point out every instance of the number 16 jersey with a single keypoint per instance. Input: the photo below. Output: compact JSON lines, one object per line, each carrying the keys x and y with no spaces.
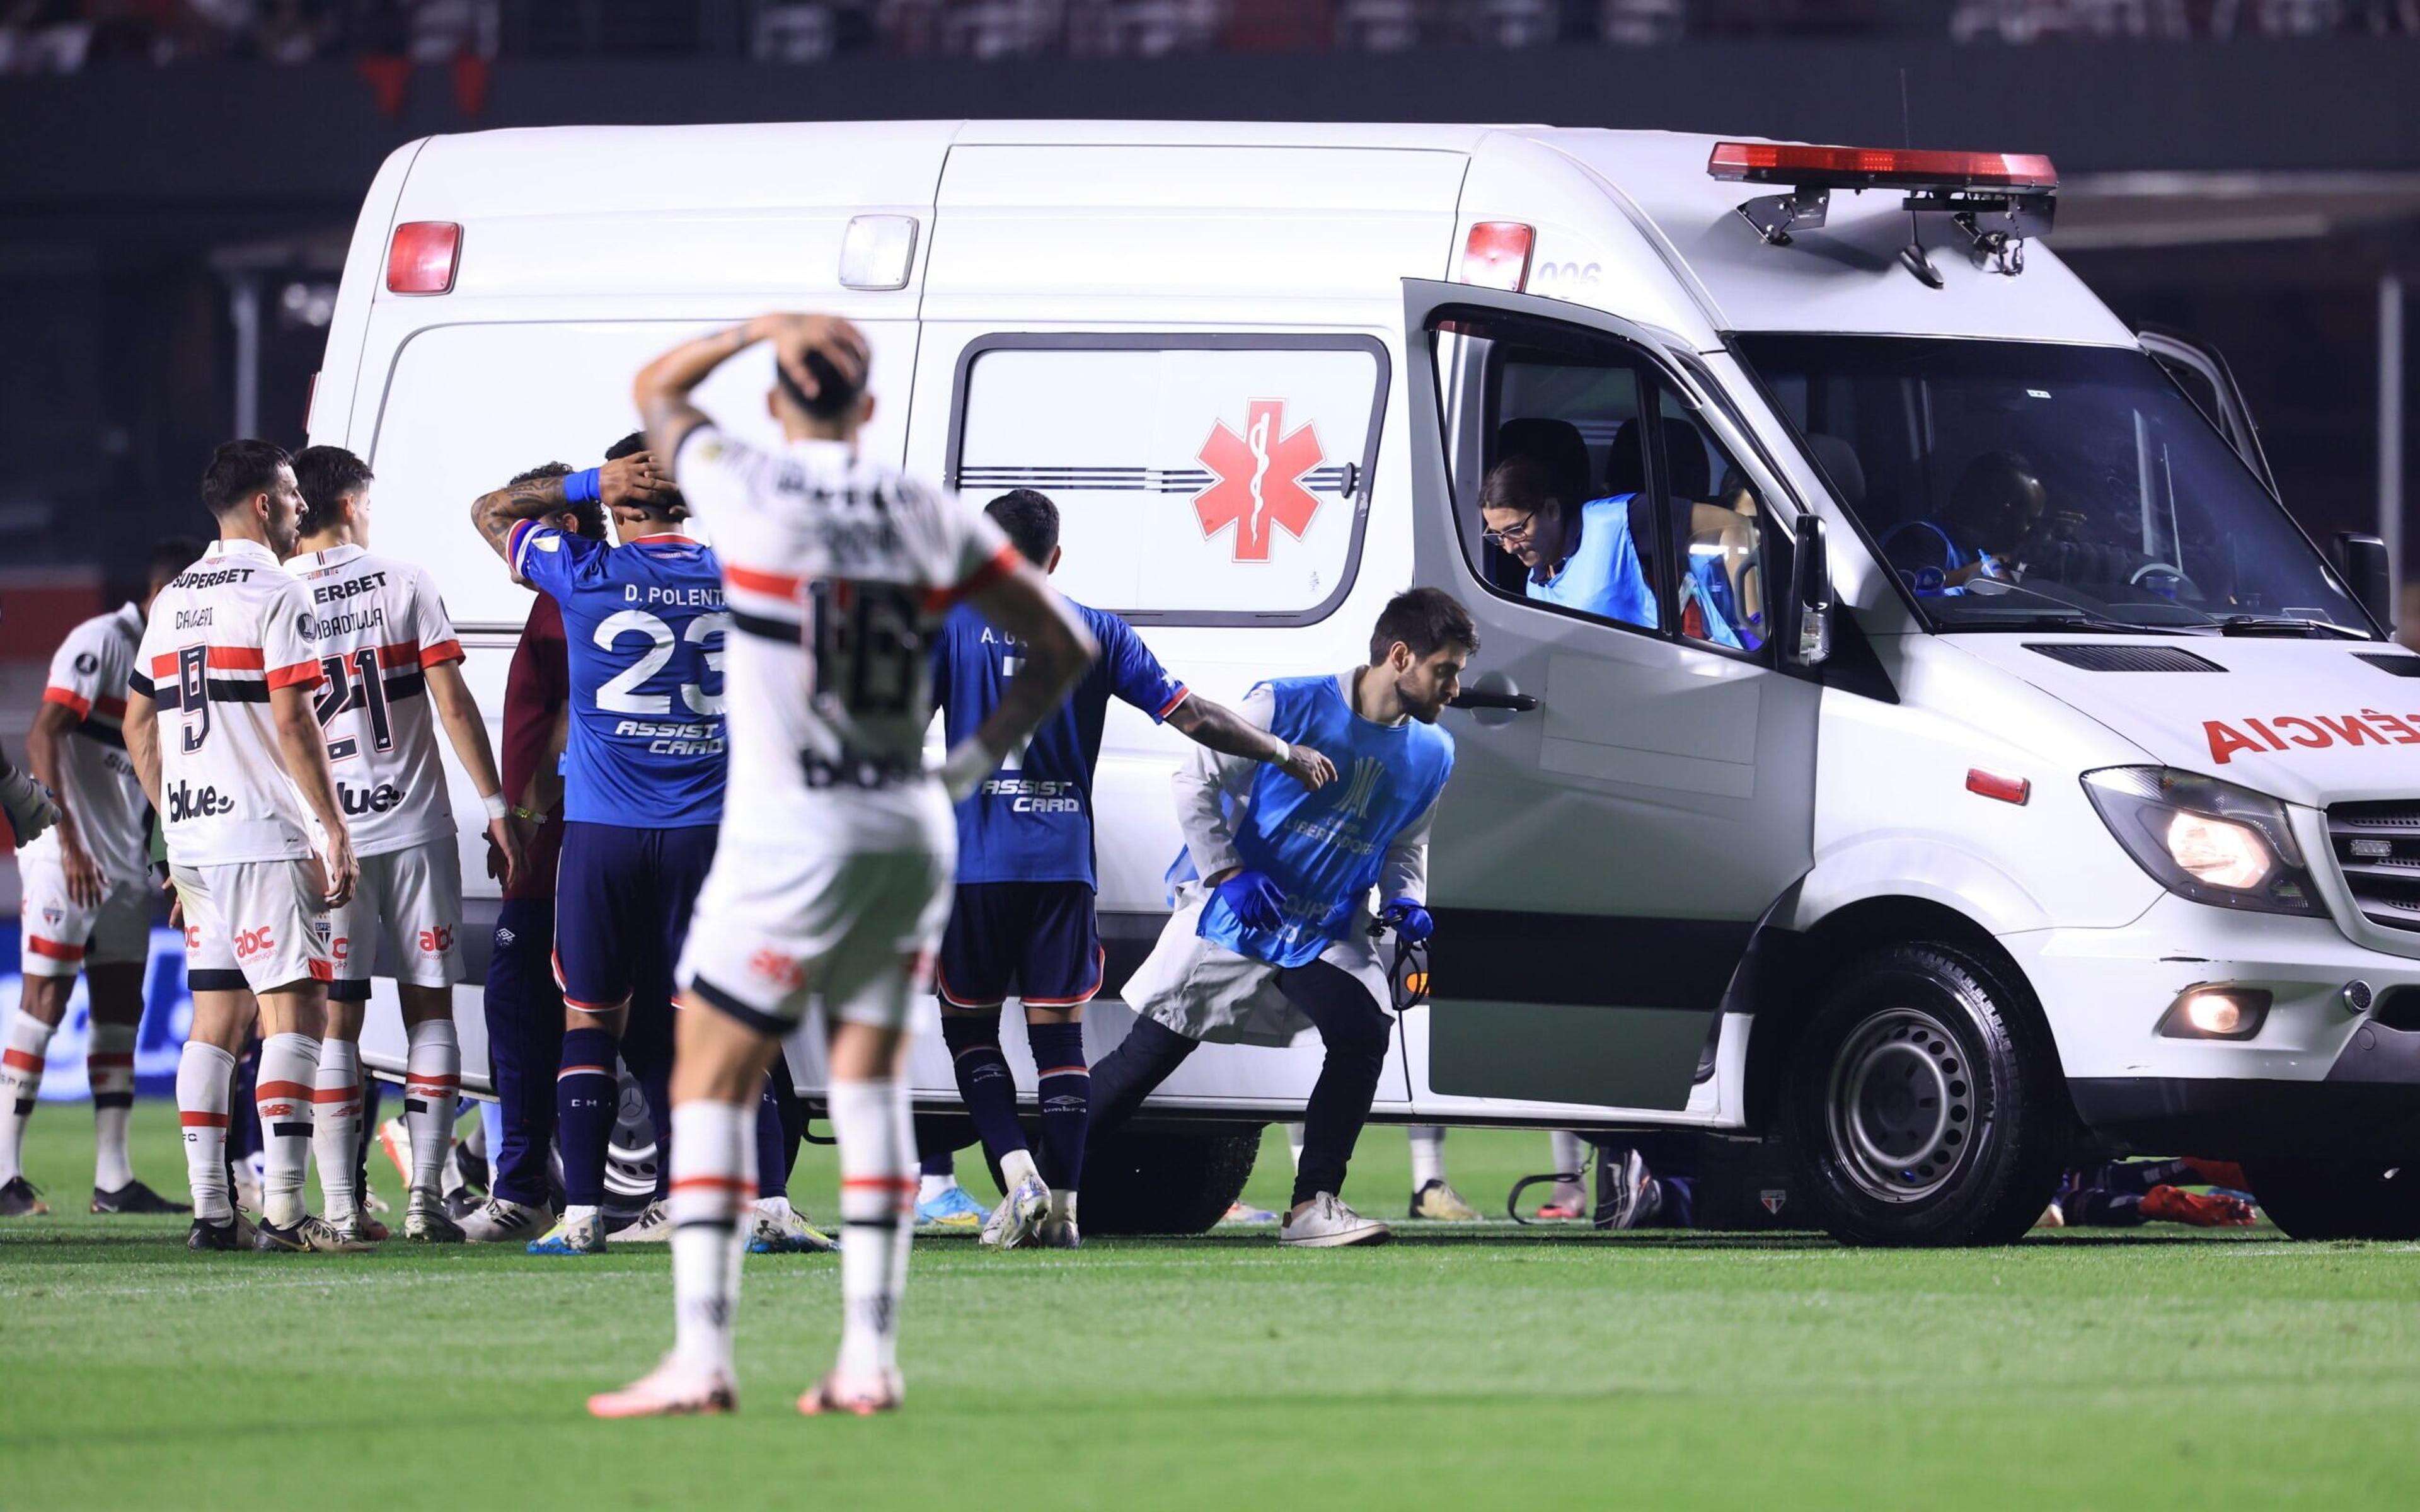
{"x":643,"y":625}
{"x":379,"y":627}
{"x":840,"y":572}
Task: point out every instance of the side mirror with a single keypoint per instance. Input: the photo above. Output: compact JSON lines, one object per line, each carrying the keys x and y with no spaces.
{"x":1810,"y":592}
{"x":2363,"y":560}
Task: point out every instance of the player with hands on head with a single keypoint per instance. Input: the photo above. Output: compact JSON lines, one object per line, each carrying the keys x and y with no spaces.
{"x":88,"y":897}
{"x":1023,"y":923}
{"x":219,"y":725}
{"x":834,"y":880}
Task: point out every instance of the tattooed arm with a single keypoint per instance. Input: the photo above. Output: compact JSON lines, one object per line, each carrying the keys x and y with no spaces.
{"x":632,"y":479}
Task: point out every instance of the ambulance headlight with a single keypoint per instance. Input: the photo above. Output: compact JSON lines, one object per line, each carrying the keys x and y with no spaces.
{"x":2205,"y":839}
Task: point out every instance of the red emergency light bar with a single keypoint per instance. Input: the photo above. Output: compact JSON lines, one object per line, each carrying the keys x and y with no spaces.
{"x":1811,"y":167}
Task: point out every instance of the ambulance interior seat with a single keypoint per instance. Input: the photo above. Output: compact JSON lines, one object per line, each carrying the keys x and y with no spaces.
{"x":1559,"y":445}
{"x":1689,"y":480}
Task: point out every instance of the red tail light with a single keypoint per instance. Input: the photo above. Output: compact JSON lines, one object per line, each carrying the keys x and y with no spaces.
{"x":1497,"y":255}
{"x":421,"y":257}
{"x":1782,"y":162}
{"x":1992,"y":785}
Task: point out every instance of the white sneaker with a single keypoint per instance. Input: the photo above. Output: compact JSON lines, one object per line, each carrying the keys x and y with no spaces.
{"x":653,"y":1226}
{"x":1323,"y":1222}
{"x":672,"y":1389}
{"x":1018,"y":1221}
{"x":499,"y":1221}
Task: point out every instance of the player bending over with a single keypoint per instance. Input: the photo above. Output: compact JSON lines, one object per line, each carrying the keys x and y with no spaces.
{"x":1023,"y":921}
{"x":219,"y":722}
{"x":389,"y":655}
{"x":833,"y":879}
{"x":1272,"y":923}
{"x":88,"y":898}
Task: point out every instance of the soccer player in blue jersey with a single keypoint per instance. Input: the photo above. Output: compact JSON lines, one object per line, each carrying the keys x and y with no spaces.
{"x":643,"y":623}
{"x":1022,"y":924}
{"x":1272,"y":924}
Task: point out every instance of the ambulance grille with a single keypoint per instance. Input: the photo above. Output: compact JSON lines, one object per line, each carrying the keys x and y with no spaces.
{"x":2111,"y":658}
{"x":2377,"y":847}
{"x":2391,"y":661}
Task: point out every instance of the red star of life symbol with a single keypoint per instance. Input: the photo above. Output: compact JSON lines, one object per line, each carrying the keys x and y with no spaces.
{"x":1259,"y":479}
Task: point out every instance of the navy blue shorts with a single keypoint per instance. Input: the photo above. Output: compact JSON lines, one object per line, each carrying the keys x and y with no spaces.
{"x":1034,"y":941}
{"x":622,"y":906}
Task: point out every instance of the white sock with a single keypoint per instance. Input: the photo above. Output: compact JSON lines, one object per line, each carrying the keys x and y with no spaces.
{"x":776,"y":1209}
{"x":930,"y":1187}
{"x":109,"y":1065}
{"x":204,"y":1087}
{"x":335,"y":1128}
{"x":1428,"y":1155}
{"x":21,"y":1084}
{"x":1294,"y":1144}
{"x":713,"y":1182}
{"x":872,"y":1123}
{"x":1571,"y":1154}
{"x":1016,"y":1165}
{"x":283,"y":1097}
{"x":432,"y":1083}
{"x":1062,"y":1205}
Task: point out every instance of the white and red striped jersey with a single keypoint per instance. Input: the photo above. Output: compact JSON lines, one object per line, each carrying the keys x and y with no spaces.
{"x":379,"y":626}
{"x":88,"y":678}
{"x":837,"y":572}
{"x":223,"y":633}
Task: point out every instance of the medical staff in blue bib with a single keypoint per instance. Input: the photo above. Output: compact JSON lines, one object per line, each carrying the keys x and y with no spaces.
{"x":1022,"y":923}
{"x":1272,"y":894}
{"x":1578,"y":554}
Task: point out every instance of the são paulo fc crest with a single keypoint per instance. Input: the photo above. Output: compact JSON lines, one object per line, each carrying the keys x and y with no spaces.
{"x":54,"y":917}
{"x":1260,"y":479}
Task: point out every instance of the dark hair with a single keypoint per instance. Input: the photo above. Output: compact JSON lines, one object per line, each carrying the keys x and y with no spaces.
{"x":171,"y":555}
{"x":591,"y":515}
{"x":1032,"y":521}
{"x":239,"y":469}
{"x":634,"y":443}
{"x":834,"y":396}
{"x":1422,"y":619}
{"x":1522,"y":482}
{"x":630,"y":446}
{"x":325,"y":475}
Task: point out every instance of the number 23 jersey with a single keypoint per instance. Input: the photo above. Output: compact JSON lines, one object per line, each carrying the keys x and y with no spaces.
{"x":381,"y":626}
{"x":840,"y":572}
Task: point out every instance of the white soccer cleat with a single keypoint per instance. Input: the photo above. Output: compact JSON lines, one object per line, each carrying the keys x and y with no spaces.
{"x":1018,"y":1221}
{"x":1323,"y":1222}
{"x":324,"y":1238}
{"x":672,"y":1389}
{"x":653,"y":1226}
{"x":500,"y":1221}
{"x":425,"y":1223}
{"x":778,"y":1228}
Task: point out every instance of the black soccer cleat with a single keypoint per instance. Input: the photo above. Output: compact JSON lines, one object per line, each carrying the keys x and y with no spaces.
{"x":19,"y":1199}
{"x":134,"y":1198}
{"x":270,"y":1240}
{"x":205,"y":1235}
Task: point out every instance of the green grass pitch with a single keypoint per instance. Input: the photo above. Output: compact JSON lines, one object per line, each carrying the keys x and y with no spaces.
{"x":1459,"y":1368}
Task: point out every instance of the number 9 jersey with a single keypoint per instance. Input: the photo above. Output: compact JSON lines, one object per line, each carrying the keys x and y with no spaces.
{"x":643,"y":625}
{"x":840,"y":572}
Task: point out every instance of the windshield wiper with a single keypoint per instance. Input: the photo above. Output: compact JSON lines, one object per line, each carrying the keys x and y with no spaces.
{"x":2254,"y":624}
{"x":2077,"y":620}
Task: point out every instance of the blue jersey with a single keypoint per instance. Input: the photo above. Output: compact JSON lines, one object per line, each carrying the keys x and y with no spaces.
{"x":644,"y":623}
{"x":1031,"y":820}
{"x":1325,"y":850}
{"x":1603,"y":575}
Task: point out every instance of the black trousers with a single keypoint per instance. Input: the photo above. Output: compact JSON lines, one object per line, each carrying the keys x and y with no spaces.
{"x":1353,"y":1026}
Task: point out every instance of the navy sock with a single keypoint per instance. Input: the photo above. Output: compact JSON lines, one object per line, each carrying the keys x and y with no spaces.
{"x":985,"y":1084}
{"x":586,"y":1095}
{"x":943,"y":1163}
{"x":1065,"y":1091}
{"x":772,"y":1145}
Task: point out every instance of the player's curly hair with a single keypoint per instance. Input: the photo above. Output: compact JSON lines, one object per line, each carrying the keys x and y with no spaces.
{"x":590,"y":515}
{"x":1422,"y":619}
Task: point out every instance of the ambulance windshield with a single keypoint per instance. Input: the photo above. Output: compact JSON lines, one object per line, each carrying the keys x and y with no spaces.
{"x":2024,"y":486}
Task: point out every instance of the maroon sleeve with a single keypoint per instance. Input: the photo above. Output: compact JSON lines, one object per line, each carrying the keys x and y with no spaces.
{"x":538,"y":684}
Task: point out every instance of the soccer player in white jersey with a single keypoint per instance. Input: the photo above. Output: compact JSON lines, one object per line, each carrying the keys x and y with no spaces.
{"x":88,"y":899}
{"x":833,"y":876}
{"x":219,"y":722}
{"x":392,"y":662}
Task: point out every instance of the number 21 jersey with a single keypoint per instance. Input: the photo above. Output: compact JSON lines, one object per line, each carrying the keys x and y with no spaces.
{"x":643,"y":625}
{"x":840,"y":572}
{"x":381,"y":626}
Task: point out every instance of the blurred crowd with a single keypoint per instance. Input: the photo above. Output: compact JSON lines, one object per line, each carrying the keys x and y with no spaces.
{"x":68,"y":36}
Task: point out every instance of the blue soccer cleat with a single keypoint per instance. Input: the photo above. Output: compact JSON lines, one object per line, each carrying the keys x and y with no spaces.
{"x":952,"y":1209}
{"x":571,"y":1236}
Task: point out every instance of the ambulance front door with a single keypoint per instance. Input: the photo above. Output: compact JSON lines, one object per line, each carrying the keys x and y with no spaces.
{"x":1630,"y":799}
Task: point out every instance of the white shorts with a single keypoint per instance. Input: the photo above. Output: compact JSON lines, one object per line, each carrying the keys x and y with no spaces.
{"x":253,"y":925}
{"x":776,"y":927}
{"x":63,"y":936}
{"x":1207,"y":992}
{"x":405,"y":921}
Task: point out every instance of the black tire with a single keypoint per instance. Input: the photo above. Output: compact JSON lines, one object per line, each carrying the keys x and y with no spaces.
{"x":1165,"y":1184}
{"x":1924,"y":1104}
{"x":2337,"y":1199}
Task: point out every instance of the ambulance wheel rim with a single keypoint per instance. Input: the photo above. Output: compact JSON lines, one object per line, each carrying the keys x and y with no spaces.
{"x":1902,"y":1105}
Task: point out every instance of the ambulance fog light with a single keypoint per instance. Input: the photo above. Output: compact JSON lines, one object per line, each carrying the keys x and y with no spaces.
{"x":878,"y":252}
{"x":2217,"y":1014}
{"x":2205,"y":839}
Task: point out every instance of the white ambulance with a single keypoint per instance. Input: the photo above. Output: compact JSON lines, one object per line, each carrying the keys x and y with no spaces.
{"x":1995,"y":775}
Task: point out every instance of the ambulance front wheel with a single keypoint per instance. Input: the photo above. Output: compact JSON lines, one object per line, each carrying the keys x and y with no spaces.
{"x":1924,"y":1103}
{"x":1165,"y":1184}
